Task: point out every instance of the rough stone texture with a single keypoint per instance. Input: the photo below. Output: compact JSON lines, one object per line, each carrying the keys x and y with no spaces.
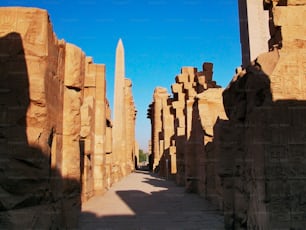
{"x":130,"y":119}
{"x":25,"y":170}
{"x":55,"y":125}
{"x":182,"y":130}
{"x":261,"y":148}
{"x":253,"y":163}
{"x":163,"y":131}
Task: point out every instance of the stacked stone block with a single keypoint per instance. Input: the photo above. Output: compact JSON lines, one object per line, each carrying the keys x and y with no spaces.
{"x":182,"y":129}
{"x":55,"y":125}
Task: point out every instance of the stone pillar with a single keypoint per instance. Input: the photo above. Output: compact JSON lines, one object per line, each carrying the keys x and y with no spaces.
{"x":87,"y":130}
{"x":130,"y":127}
{"x":108,"y":148}
{"x":100,"y":131}
{"x":70,"y":165}
{"x":160,"y":94}
{"x":168,"y":130}
{"x":178,"y":105}
{"x":254,"y":29}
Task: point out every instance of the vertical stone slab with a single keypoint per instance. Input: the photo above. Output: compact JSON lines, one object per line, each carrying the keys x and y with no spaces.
{"x":87,"y":130}
{"x":72,"y":100}
{"x":160,"y":95}
{"x":254,"y":29}
{"x":178,"y":105}
{"x":74,"y":78}
{"x":130,"y":117}
{"x":100,"y":131}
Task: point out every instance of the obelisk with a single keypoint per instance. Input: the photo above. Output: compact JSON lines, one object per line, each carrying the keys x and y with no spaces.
{"x":119,"y":107}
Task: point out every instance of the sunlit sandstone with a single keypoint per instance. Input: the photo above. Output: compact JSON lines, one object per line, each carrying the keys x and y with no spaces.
{"x":55,"y":125}
{"x":182,"y":127}
{"x":123,"y":140}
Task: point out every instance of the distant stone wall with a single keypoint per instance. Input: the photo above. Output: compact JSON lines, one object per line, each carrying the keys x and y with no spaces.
{"x":55,"y":125}
{"x":182,"y":129}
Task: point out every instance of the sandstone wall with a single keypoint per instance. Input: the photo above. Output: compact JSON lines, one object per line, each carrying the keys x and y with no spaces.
{"x":55,"y":127}
{"x":182,"y":130}
{"x":261,"y":148}
{"x":252,"y":165}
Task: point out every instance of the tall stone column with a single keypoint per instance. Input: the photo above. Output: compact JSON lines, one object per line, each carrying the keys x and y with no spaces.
{"x":160,"y":95}
{"x":130,"y":127}
{"x":178,"y":105}
{"x":100,"y":130}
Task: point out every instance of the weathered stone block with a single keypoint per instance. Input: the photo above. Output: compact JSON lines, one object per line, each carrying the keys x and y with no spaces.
{"x":31,"y":24}
{"x":176,"y":88}
{"x":72,"y":115}
{"x":189,"y":70}
{"x":181,"y":78}
{"x":296,"y":2}
{"x":289,"y":16}
{"x":74,"y":67}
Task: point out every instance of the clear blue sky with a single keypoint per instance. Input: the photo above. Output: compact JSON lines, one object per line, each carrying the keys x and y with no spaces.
{"x":159,"y":37}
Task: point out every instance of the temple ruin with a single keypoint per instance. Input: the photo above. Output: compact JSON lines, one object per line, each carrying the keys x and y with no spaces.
{"x":182,"y":126}
{"x":55,"y":125}
{"x":242,"y":147}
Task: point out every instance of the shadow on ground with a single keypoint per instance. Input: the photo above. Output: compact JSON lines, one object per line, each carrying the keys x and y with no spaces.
{"x":166,"y":207}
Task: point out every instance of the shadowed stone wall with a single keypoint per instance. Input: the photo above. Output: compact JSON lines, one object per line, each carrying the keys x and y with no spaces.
{"x":262,"y":145}
{"x":55,"y":125}
{"x":252,"y":165}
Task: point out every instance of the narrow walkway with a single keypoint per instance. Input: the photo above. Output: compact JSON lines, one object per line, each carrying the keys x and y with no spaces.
{"x":142,"y":202}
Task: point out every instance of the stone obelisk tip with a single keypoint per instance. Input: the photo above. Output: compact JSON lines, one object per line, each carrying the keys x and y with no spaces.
{"x":119,"y":68}
{"x":120,"y":44}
